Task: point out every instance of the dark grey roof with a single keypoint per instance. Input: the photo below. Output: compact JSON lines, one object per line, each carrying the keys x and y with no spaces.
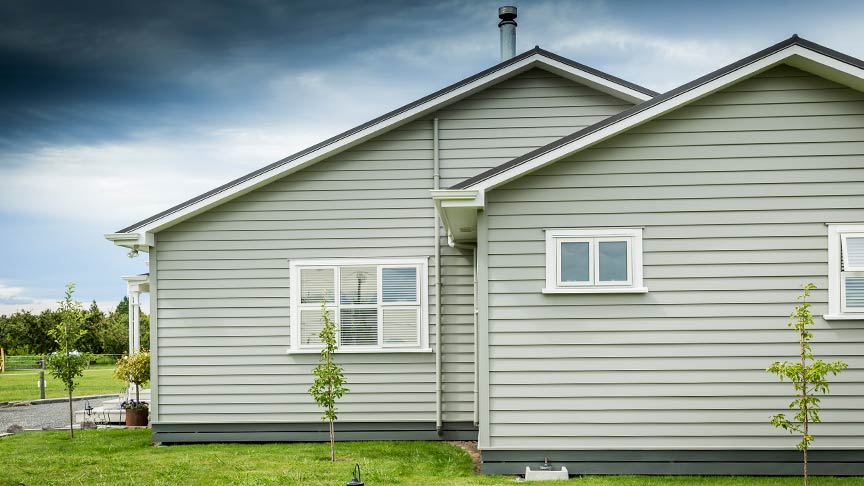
{"x":397,"y":111}
{"x":794,"y":40}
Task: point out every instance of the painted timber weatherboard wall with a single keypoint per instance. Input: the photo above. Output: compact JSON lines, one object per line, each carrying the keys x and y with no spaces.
{"x":733,"y":192}
{"x":222,"y":302}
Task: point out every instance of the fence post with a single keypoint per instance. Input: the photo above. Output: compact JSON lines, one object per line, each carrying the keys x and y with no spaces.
{"x":2,"y":360}
{"x":42,"y":385}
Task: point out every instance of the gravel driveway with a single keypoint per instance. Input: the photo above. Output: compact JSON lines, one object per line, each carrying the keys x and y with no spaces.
{"x":44,"y":416}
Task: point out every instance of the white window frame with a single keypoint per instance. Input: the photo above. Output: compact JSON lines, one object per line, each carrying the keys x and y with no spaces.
{"x":837,"y":234}
{"x":848,"y":267}
{"x":561,"y":283}
{"x":422,"y":304}
{"x":554,"y":239}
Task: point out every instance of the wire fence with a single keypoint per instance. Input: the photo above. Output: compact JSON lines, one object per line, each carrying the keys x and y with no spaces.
{"x":35,"y":362}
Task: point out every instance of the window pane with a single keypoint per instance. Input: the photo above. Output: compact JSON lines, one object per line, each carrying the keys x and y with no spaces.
{"x":399,"y":284}
{"x":575,"y":261}
{"x":315,"y":284}
{"x":854,"y":292}
{"x":400,"y":325}
{"x":359,"y":285}
{"x":358,"y":327}
{"x":613,"y":261}
{"x":855,"y":251}
{"x":310,"y":326}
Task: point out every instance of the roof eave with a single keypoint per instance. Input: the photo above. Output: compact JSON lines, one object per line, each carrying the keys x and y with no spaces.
{"x":133,"y":241}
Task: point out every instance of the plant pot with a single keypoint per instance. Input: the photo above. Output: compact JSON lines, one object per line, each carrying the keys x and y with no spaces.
{"x":137,"y":418}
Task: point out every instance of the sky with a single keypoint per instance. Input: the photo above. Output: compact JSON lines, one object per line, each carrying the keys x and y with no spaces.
{"x":112,"y":111}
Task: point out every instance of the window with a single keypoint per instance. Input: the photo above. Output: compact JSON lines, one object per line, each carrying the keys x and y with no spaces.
{"x":594,"y":260}
{"x":845,"y":271}
{"x":378,"y":305}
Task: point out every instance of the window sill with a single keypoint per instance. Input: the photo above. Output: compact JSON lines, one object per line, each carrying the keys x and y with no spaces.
{"x":363,"y":351}
{"x":843,"y":317}
{"x":597,"y":290}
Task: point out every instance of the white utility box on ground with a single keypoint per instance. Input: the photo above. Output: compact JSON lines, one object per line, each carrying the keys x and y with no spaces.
{"x":545,"y":474}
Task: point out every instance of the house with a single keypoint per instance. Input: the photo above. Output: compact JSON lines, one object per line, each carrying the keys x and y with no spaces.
{"x":612,"y":272}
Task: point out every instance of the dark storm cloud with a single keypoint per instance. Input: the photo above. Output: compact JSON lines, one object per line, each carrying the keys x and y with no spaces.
{"x":90,"y":71}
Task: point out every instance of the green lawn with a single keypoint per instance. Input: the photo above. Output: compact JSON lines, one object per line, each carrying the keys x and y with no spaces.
{"x":22,"y":385}
{"x":111,"y":457}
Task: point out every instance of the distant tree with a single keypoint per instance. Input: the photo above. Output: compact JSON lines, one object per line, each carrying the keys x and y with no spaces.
{"x":808,"y":377}
{"x":94,"y":320}
{"x":113,"y":330}
{"x":68,"y":364}
{"x":35,"y":331}
{"x":114,"y":334}
{"x":26,"y":333}
{"x":145,"y":332}
{"x":9,"y":335}
{"x":123,"y":306}
{"x":23,"y":333}
{"x":329,"y":380}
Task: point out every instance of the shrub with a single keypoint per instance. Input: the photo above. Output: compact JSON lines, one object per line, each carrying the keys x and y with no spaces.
{"x":134,"y":369}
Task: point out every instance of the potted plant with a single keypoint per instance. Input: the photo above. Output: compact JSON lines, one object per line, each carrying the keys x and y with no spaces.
{"x":136,"y":412}
{"x":135,"y":370}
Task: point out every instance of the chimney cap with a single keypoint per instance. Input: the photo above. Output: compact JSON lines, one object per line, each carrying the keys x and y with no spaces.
{"x":507,"y":13}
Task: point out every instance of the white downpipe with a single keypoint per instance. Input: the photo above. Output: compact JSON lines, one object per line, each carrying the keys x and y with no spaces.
{"x":476,"y":346}
{"x":438,"y":382}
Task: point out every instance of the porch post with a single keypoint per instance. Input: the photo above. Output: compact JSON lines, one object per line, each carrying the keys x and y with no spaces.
{"x":134,"y":319}
{"x":135,"y":286}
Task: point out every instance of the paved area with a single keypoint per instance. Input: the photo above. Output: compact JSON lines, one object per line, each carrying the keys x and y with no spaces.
{"x":47,"y":415}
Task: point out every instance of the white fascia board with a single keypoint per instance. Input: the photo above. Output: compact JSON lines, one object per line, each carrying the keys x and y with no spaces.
{"x":136,"y":278}
{"x":794,"y":55}
{"x":532,"y":61}
{"x":459,"y":198}
{"x":828,"y":68}
{"x":593,"y":81}
{"x":137,"y":283}
{"x":133,"y":241}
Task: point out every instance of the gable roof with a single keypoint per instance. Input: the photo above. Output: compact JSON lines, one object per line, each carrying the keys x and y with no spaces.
{"x":536,"y":57}
{"x":794,"y":51}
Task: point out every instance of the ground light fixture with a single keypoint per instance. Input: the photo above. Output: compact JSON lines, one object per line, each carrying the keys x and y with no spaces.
{"x":355,"y":477}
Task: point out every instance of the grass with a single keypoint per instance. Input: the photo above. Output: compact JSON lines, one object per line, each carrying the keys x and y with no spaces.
{"x":22,"y":385}
{"x":110,"y":457}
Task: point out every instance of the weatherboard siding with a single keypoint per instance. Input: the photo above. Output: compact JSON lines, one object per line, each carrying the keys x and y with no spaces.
{"x":513,"y":118}
{"x":224,"y":296}
{"x":223,"y":284}
{"x":733,"y":192}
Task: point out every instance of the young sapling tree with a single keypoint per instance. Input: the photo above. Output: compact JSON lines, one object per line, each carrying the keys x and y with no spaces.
{"x":329,"y":380}
{"x":808,"y":377}
{"x":67,"y":364}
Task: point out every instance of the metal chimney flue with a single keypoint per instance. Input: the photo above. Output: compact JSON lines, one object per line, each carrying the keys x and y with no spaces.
{"x":507,"y":26}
